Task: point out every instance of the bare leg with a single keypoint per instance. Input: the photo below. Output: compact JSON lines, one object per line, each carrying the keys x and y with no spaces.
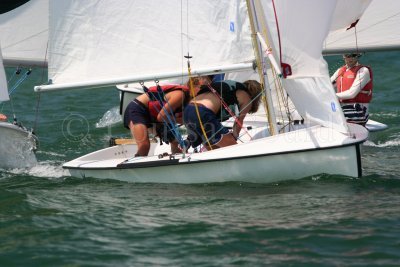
{"x":139,"y":132}
{"x":175,"y":147}
{"x":226,"y":140}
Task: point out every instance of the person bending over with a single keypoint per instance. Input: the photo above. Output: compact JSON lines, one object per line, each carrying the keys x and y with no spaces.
{"x":215,"y":103}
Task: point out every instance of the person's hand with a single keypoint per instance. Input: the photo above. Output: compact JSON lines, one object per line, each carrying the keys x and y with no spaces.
{"x":3,"y":117}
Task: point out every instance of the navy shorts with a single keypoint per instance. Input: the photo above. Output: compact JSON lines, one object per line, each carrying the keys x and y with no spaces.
{"x":137,"y":113}
{"x":212,"y":126}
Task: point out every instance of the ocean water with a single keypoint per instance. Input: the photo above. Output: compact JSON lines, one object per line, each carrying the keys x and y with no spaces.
{"x":50,"y":219}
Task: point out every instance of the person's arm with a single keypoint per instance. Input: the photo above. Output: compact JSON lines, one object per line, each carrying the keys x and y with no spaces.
{"x":334,"y":76}
{"x":244,"y":107}
{"x":173,"y":101}
{"x":362,"y":78}
{"x":3,"y":117}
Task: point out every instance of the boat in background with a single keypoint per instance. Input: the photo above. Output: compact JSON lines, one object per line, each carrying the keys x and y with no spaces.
{"x":374,"y":30}
{"x":153,"y":48}
{"x":17,"y":144}
{"x":23,"y":40}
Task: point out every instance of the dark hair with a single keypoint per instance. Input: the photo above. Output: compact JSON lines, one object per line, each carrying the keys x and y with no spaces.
{"x":357,"y":55}
{"x":254,"y":89}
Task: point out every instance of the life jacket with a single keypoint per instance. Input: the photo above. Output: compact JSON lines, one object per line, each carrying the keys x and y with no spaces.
{"x":156,"y":98}
{"x":345,"y":80}
{"x":227,"y":91}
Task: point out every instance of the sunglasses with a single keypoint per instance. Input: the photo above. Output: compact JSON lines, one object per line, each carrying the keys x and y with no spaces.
{"x":350,"y":55}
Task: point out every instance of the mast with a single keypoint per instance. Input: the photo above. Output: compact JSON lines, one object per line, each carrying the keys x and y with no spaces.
{"x":263,"y":77}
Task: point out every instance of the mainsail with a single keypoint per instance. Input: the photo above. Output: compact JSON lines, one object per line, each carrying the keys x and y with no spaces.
{"x":24,"y":34}
{"x":107,"y":41}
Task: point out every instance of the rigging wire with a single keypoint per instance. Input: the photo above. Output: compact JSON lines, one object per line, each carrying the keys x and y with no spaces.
{"x":192,"y":92}
{"x":282,"y":100}
{"x":252,"y":12}
{"x":15,"y":86}
{"x":39,"y":93}
{"x":191,"y":86}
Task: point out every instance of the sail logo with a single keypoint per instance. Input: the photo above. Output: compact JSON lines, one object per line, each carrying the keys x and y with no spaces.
{"x":333,"y":106}
{"x":232,"y":26}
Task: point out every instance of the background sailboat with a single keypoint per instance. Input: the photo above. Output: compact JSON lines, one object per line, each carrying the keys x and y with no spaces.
{"x":17,"y":144}
{"x":24,"y":36}
{"x":136,"y":48}
{"x":374,"y":30}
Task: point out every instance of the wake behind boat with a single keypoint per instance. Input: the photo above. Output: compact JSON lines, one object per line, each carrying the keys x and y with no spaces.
{"x":17,"y":146}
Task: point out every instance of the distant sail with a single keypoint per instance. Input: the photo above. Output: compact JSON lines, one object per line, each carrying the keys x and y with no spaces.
{"x":376,"y":30}
{"x":24,"y":34}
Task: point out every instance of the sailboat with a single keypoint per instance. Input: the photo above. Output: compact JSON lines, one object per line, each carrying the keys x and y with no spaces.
{"x":375,"y":30}
{"x":103,"y":44}
{"x":17,"y":144}
{"x":24,"y":37}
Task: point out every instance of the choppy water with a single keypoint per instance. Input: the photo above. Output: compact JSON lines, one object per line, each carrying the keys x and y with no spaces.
{"x":50,"y":219}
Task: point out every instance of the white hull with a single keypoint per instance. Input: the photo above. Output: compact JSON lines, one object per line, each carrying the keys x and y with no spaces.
{"x":288,"y":156}
{"x":17,"y":147}
{"x":374,"y":126}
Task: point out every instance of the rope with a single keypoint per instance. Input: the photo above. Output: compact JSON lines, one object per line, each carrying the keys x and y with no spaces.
{"x":355,"y":34}
{"x":14,"y":87}
{"x":23,"y":78}
{"x":39,"y":94}
{"x":226,"y":107}
{"x":252,"y":11}
{"x":16,"y":72}
{"x":195,"y":103}
{"x":171,"y":122}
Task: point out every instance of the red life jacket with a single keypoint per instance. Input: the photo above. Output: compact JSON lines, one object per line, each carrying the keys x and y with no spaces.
{"x":154,"y":104}
{"x":345,"y":80}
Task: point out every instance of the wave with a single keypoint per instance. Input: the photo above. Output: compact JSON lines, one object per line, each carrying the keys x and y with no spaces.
{"x":43,"y":169}
{"x":385,"y":114}
{"x":109,"y":118}
{"x":389,"y":143}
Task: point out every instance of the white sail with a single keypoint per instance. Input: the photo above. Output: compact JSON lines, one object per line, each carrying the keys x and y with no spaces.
{"x":3,"y":81}
{"x":299,"y":45}
{"x":375,"y":31}
{"x":24,"y":34}
{"x":106,"y":40}
{"x":347,"y":13}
